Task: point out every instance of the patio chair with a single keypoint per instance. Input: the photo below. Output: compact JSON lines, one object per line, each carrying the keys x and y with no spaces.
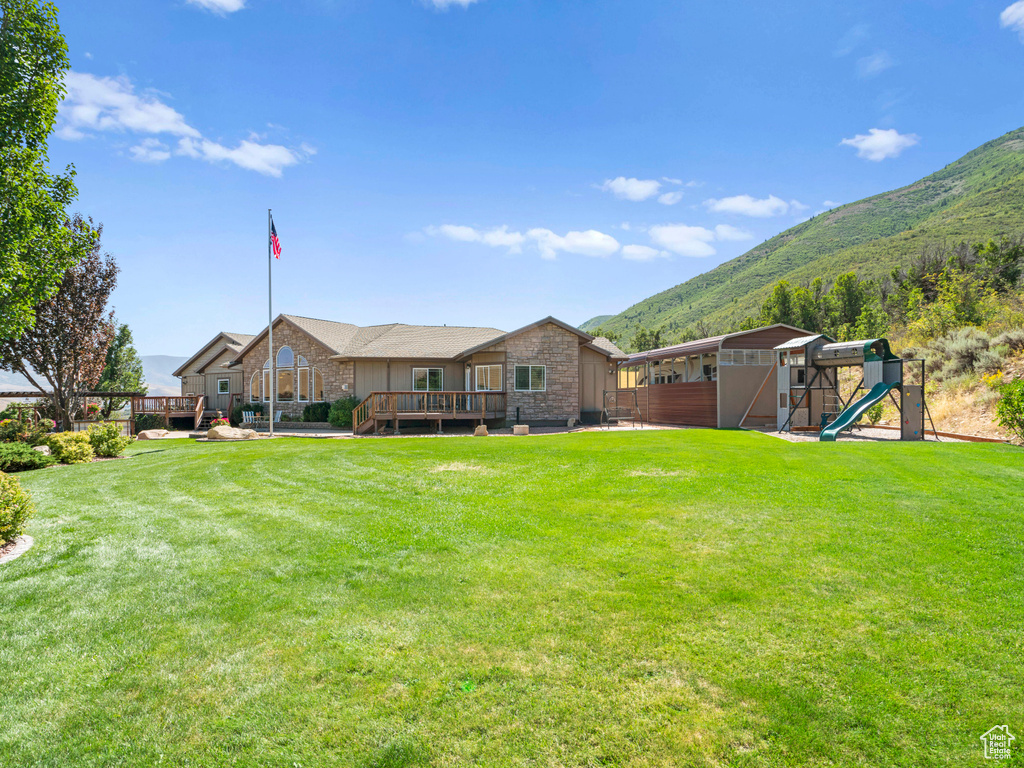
{"x":248,"y":417}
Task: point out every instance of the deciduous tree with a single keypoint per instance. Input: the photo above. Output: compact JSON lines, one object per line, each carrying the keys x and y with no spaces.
{"x":35,"y":245}
{"x":67,"y":346}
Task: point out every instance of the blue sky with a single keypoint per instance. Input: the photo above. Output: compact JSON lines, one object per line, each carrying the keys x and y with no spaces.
{"x":490,"y":162}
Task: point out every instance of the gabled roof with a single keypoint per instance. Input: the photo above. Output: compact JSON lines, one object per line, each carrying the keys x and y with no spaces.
{"x":549,"y":319}
{"x":234,"y":341}
{"x":419,"y":342}
{"x":802,"y":341}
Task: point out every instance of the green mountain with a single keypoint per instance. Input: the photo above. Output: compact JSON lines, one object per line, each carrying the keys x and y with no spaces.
{"x":980,"y":196}
{"x":595,"y":322}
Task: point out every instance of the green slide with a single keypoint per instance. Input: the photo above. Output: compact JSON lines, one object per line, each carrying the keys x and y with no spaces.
{"x":855,"y":411}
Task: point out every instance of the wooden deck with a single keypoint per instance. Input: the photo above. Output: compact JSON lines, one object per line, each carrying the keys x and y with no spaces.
{"x":381,"y":407}
{"x":187,"y":406}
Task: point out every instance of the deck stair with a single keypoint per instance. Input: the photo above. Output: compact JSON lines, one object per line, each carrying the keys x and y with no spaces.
{"x":381,"y":407}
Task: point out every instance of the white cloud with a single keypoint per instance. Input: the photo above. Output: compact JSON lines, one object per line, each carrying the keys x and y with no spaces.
{"x":670,"y":198}
{"x":1013,"y":17}
{"x":642,"y":253}
{"x":683,"y":239}
{"x":726,"y":232}
{"x":444,"y":5}
{"x":221,"y":7}
{"x":631,"y":189}
{"x":497,"y":237}
{"x":111,"y":104}
{"x":151,"y":151}
{"x":875,"y":64}
{"x":830,"y":203}
{"x":795,"y":206}
{"x":667,"y":180}
{"x":878,"y":144}
{"x":95,"y":105}
{"x":626,"y":226}
{"x":746,"y":205}
{"x":695,"y":183}
{"x":588,"y":243}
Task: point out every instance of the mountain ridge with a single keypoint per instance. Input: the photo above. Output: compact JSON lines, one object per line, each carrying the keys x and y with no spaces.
{"x":977,"y":197}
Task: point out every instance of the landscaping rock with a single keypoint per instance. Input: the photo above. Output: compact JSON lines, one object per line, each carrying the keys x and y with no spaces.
{"x":152,"y":434}
{"x":43,"y":449}
{"x":225,"y":432}
{"x":521,"y":429}
{"x":480,"y":431}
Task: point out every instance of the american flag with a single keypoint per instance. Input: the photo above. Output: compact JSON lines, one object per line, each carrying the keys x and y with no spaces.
{"x":275,"y":244}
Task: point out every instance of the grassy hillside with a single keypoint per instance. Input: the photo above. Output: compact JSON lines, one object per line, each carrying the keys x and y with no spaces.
{"x":979,"y":196}
{"x":595,"y":322}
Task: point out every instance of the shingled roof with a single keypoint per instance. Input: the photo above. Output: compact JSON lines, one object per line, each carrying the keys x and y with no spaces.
{"x":420,"y":342}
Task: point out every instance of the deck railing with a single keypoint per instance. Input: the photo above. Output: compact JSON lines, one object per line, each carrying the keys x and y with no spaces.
{"x":432,"y":405}
{"x":186,"y":405}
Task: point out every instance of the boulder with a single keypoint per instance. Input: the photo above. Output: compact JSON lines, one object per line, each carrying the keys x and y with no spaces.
{"x":152,"y":434}
{"x":43,"y":449}
{"x":225,"y":432}
{"x":521,"y":429}
{"x":480,"y":431}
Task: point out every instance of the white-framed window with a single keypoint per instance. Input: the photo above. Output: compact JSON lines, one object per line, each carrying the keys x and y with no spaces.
{"x":223,"y":386}
{"x":266,"y":384}
{"x":285,"y":357}
{"x":318,"y":386}
{"x":285,"y":385}
{"x":531,"y":378}
{"x":254,"y":388}
{"x":303,"y":385}
{"x":746,"y":357}
{"x":488,"y":378}
{"x":427,"y":379}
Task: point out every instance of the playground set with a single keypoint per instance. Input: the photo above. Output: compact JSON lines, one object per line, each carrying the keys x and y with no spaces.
{"x":777,"y":376}
{"x":808,"y":378}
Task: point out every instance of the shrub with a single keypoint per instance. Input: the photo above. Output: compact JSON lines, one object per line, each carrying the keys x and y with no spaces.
{"x":106,"y":439}
{"x":18,"y":457}
{"x":874,"y":414}
{"x":144,"y":421}
{"x":15,"y":508}
{"x":1010,"y":408}
{"x":340,"y":415}
{"x":1013,"y":339}
{"x":958,"y":352}
{"x":22,"y":430}
{"x":71,"y":447}
{"x":316,"y":412}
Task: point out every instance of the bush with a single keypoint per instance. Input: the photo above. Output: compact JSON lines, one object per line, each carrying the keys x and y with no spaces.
{"x":144,"y":421}
{"x":71,"y":447}
{"x":874,"y":414}
{"x":106,"y":439}
{"x":1013,"y":339}
{"x":959,"y":352}
{"x":340,"y":415}
{"x":15,"y":508}
{"x":1010,"y":408}
{"x":316,"y":412}
{"x":18,"y":457}
{"x":22,"y":430}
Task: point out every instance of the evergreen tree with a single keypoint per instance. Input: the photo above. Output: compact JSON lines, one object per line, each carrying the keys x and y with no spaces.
{"x":122,"y":371}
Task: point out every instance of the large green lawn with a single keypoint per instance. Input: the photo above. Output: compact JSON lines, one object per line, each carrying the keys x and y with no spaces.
{"x":622,"y":599}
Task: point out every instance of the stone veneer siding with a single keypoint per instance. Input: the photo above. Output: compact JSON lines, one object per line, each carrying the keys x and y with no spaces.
{"x":335,"y":373}
{"x":558,"y":350}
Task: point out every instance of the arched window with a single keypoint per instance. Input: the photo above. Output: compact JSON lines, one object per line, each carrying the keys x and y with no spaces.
{"x":302,"y":361}
{"x":285,"y":358}
{"x":254,"y":387}
{"x":266,"y":381}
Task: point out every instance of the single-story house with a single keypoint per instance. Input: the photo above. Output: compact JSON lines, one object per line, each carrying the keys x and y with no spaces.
{"x":544,"y":373}
{"x":722,"y":381}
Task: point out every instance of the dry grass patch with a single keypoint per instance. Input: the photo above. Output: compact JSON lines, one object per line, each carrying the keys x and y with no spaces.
{"x":459,"y":466}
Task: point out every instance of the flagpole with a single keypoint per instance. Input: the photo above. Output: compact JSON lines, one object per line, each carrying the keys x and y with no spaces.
{"x":270,"y":323}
